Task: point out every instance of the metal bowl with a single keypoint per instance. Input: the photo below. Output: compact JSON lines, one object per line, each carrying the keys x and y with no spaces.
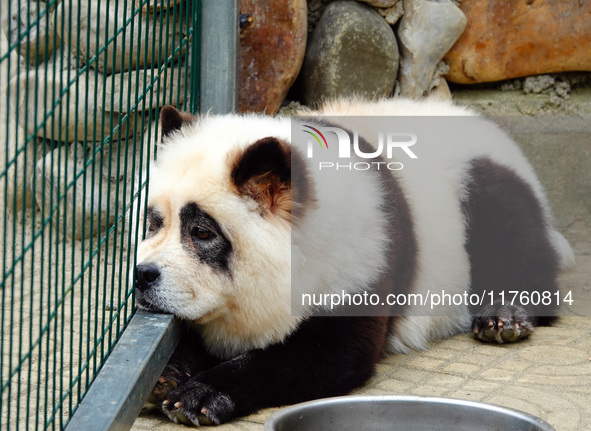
{"x":401,"y":413}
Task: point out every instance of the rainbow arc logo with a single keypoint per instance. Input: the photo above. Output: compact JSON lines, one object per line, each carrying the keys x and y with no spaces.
{"x":317,"y":135}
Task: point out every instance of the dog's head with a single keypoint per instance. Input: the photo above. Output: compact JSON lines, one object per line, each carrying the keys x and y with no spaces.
{"x":217,"y":241}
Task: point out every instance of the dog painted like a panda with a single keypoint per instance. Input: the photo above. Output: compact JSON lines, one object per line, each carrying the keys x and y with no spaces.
{"x":226,"y":209}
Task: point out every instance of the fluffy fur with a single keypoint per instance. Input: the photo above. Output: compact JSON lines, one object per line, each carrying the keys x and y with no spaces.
{"x":226,"y":209}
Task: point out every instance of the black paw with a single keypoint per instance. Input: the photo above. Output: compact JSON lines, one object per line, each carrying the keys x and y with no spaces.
{"x":195,"y":403}
{"x":172,"y":377}
{"x":504,"y":325}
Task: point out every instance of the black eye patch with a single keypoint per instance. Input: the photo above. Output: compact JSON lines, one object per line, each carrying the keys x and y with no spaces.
{"x":202,"y":236}
{"x":155,"y":222}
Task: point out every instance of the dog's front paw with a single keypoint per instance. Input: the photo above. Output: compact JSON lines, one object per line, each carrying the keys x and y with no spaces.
{"x":172,"y":377}
{"x":505,"y":325}
{"x":195,"y":403}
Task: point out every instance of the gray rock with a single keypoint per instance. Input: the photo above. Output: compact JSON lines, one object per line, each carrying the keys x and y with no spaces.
{"x":66,"y":116}
{"x":74,"y":116}
{"x":30,"y":21}
{"x":18,"y":193}
{"x":427,"y":31}
{"x":106,"y":18}
{"x":72,"y":204}
{"x":85,"y":188}
{"x":380,"y":3}
{"x":352,"y":52}
{"x":393,"y":13}
{"x":315,"y":11}
{"x":441,"y":91}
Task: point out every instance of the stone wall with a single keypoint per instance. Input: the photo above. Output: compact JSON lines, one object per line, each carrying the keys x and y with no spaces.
{"x":411,"y":48}
{"x":82,"y":95}
{"x":290,"y":50}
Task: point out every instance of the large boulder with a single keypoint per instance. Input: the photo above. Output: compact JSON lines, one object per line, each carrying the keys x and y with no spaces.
{"x":352,"y":52}
{"x":272,"y":50}
{"x":427,"y":30}
{"x":92,"y":32}
{"x":507,"y":39}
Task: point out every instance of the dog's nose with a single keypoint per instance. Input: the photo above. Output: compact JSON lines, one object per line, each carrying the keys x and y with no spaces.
{"x":146,"y":275}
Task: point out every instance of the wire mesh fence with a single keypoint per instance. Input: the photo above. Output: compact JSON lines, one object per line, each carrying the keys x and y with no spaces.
{"x":80,"y":81}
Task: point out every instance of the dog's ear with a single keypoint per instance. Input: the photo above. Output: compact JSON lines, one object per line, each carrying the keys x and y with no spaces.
{"x":172,"y":120}
{"x":262,"y":172}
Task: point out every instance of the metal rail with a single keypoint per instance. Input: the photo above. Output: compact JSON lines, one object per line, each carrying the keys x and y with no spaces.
{"x":122,"y":386}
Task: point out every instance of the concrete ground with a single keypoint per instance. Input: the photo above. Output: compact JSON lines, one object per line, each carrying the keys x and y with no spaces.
{"x":547,"y":375}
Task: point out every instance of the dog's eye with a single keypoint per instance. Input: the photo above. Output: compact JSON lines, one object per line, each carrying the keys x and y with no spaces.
{"x":202,"y":234}
{"x":155,"y":222}
{"x":152,"y":229}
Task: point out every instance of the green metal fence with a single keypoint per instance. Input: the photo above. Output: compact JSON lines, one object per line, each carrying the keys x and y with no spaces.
{"x":80,"y":81}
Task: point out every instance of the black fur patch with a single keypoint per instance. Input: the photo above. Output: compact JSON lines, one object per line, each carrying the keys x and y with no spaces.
{"x":216,"y":249}
{"x":263,"y":172}
{"x":265,"y":155}
{"x":327,"y":356}
{"x":400,"y":269}
{"x":155,"y":222}
{"x":402,"y":255}
{"x":507,"y":238}
{"x":172,"y":120}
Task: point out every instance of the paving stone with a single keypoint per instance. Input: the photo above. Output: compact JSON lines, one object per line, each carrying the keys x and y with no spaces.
{"x":557,"y":380}
{"x":441,"y":354}
{"x":475,"y":385}
{"x":514,"y":365}
{"x":562,"y":356}
{"x":469,"y":395}
{"x":496,"y":374}
{"x":429,"y":391}
{"x":394,"y":386}
{"x":462,"y":368}
{"x":429,"y":364}
{"x":444,"y":380}
{"x":483,"y":359}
